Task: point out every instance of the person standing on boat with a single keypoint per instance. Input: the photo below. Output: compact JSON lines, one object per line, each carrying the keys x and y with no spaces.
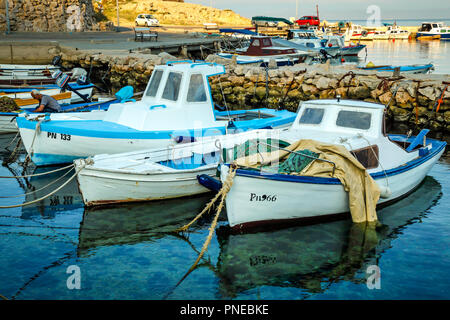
{"x":46,"y":103}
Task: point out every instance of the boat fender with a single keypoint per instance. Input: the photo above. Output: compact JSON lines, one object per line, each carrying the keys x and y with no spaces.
{"x":209,"y":182}
{"x":184,"y":139}
{"x":385,"y":192}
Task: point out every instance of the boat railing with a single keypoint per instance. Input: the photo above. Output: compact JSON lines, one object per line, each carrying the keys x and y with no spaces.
{"x":178,"y":61}
{"x":300,"y":154}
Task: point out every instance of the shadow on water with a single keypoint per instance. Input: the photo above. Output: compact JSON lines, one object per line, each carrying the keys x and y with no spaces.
{"x":134,"y":223}
{"x":66,"y":199}
{"x":313,"y":257}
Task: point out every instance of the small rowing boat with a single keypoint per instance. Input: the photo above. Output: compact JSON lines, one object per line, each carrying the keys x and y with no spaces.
{"x":156,"y":174}
{"x":414,"y":68}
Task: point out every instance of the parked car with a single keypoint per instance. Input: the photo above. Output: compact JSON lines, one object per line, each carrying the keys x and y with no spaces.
{"x":146,"y":20}
{"x":308,"y":21}
{"x":262,"y":23}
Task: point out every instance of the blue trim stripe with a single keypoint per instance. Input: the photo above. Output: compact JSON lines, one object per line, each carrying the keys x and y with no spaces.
{"x":105,"y":129}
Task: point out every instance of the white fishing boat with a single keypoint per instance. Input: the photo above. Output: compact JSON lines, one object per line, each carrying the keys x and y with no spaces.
{"x":146,"y":175}
{"x":307,"y":41}
{"x":357,"y":32}
{"x":176,"y":105}
{"x":380,"y":35}
{"x":396,"y":163}
{"x":395,"y":32}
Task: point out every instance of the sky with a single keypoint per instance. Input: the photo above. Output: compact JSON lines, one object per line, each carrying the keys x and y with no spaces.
{"x":336,"y":9}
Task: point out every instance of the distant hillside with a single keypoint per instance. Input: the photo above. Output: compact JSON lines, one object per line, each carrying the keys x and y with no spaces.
{"x":172,"y":12}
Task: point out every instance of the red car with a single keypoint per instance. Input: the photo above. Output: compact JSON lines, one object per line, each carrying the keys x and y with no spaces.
{"x":308,"y":21}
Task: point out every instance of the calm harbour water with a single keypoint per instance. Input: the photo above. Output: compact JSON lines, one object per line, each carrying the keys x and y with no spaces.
{"x":406,"y":52}
{"x":126,"y":252}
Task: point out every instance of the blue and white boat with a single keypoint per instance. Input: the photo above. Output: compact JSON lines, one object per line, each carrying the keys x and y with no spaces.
{"x":414,"y":68}
{"x":177,"y":105}
{"x":396,"y":163}
{"x":434,"y":29}
{"x":309,"y":42}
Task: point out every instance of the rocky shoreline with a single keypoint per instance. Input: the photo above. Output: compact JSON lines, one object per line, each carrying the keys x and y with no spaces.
{"x":412,"y":99}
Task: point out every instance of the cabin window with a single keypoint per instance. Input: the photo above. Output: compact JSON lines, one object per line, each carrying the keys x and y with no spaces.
{"x":196,"y":91}
{"x":172,"y":88}
{"x":154,"y":83}
{"x":255,"y":43}
{"x":354,"y":119}
{"x":368,"y":156}
{"x":312,"y":116}
{"x":266,"y":42}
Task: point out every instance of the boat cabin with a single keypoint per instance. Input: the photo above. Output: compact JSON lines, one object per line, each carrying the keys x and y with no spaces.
{"x":357,"y":125}
{"x":428,"y":26}
{"x":263,"y":46}
{"x":301,"y":34}
{"x":177,"y":96}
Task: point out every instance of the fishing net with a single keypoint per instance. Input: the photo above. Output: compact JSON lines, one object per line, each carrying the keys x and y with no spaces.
{"x":8,"y":104}
{"x":293,"y":163}
{"x":251,"y":147}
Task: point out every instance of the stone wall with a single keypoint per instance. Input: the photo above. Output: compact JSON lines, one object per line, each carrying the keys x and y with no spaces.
{"x":48,"y":15}
{"x":411,"y":99}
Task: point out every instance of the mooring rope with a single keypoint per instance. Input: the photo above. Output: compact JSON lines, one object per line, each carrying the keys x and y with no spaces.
{"x":37,"y":174}
{"x":42,"y":188}
{"x":222,"y":194}
{"x":46,"y":196}
{"x":12,"y":141}
{"x":3,"y":297}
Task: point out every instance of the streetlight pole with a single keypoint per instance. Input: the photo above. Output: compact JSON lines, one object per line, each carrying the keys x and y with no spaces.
{"x":118,"y":23}
{"x":296,"y":9}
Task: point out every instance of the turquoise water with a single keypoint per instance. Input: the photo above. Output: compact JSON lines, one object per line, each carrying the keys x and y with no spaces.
{"x":128,"y":252}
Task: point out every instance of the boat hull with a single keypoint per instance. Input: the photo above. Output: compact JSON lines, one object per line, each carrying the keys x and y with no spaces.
{"x":99,"y":187}
{"x":442,"y":36}
{"x":7,"y":123}
{"x":256,"y":199}
{"x":351,"y":50}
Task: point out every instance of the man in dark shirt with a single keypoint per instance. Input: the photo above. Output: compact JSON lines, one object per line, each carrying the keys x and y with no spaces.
{"x":46,"y":103}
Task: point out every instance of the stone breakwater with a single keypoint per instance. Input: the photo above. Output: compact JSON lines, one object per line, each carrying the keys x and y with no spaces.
{"x":411,"y":98}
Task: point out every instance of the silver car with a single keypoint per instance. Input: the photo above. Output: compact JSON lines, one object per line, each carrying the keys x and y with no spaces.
{"x":146,"y":20}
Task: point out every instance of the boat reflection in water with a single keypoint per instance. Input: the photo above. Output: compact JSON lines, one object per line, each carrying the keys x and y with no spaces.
{"x":64,"y":200}
{"x":134,"y":223}
{"x":312,"y":257}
